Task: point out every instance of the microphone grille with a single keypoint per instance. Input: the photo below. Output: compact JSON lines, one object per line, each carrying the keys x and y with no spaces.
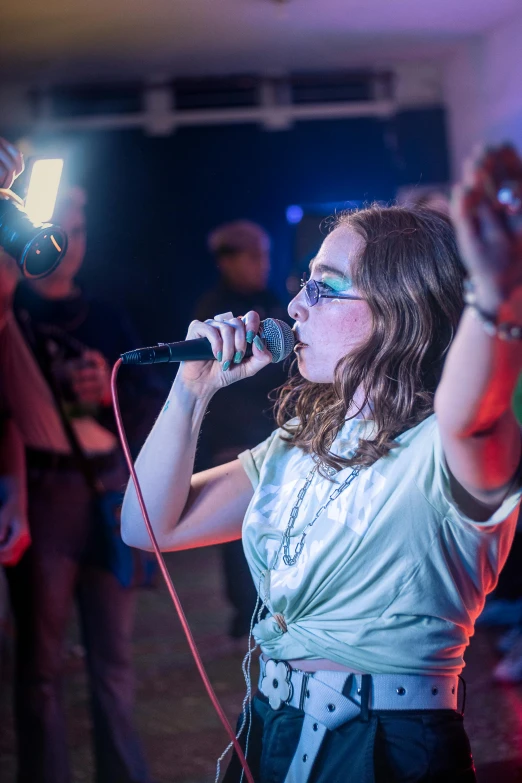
{"x":278,"y":337}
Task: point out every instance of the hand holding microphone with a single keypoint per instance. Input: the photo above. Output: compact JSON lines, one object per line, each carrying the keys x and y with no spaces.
{"x":229,"y":338}
{"x":222,"y":350}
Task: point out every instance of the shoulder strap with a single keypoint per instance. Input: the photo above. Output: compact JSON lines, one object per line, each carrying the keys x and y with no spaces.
{"x":42,"y":358}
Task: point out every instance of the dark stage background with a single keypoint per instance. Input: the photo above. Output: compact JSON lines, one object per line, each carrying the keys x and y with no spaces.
{"x":153,"y":200}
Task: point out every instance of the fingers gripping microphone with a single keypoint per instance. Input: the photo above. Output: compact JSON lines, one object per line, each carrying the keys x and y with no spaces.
{"x":276,"y":335}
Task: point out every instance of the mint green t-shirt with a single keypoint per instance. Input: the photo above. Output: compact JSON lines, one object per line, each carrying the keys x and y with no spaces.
{"x":392,"y":575}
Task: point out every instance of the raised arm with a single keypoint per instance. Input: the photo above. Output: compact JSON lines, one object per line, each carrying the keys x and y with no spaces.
{"x":480,"y":435}
{"x":189,"y":510}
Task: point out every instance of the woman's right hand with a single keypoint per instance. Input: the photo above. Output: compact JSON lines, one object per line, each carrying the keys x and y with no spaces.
{"x":229,"y":337}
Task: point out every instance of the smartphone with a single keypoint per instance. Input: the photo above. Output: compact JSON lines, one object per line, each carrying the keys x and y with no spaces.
{"x":43,"y":189}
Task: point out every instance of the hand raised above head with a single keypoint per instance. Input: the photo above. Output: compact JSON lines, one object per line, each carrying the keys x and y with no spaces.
{"x":487,"y":213}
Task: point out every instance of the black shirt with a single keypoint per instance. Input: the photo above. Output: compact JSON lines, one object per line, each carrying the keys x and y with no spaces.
{"x":81,"y":322}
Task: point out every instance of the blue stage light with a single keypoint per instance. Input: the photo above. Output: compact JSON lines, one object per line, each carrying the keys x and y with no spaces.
{"x":294,"y":213}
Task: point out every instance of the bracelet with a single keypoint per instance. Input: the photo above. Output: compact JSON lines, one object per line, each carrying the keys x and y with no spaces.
{"x":504,"y":331}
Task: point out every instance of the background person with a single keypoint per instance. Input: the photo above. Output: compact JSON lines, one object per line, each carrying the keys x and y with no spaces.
{"x":241,"y":250}
{"x":14,"y":528}
{"x":58,"y":337}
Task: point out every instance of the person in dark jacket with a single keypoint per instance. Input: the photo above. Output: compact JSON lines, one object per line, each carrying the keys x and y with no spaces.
{"x":58,"y":337}
{"x":242,"y":254}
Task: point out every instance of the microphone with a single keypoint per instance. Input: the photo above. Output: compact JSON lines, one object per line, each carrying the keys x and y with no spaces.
{"x":276,"y":335}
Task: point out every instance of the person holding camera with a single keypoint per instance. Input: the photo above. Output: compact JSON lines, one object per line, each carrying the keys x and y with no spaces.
{"x":14,"y":527}
{"x":379,"y":514}
{"x":56,"y":348}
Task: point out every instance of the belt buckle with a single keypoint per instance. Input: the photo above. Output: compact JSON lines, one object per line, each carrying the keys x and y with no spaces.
{"x":276,"y":683}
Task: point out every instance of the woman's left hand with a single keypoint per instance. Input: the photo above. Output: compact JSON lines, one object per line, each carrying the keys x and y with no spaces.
{"x":91,"y":379}
{"x":489,"y":231}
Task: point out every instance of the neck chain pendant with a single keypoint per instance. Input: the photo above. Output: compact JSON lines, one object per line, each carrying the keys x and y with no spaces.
{"x":288,"y":558}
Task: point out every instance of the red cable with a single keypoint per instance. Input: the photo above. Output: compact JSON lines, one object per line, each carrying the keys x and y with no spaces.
{"x":168,"y":580}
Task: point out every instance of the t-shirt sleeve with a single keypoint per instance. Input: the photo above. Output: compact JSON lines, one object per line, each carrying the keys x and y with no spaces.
{"x":435,"y":484}
{"x":252,"y":460}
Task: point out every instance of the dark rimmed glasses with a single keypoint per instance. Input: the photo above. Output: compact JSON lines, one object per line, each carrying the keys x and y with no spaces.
{"x":315,"y":290}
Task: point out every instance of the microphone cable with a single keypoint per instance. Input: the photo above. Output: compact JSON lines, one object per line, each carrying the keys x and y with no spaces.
{"x":168,"y":581}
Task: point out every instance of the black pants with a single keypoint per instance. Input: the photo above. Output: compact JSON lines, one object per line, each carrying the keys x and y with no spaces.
{"x":429,"y":746}
{"x":509,"y":585}
{"x":43,"y":586}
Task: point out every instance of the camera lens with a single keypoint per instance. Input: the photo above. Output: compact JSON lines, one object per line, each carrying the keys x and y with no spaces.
{"x":37,"y":248}
{"x":43,"y":252}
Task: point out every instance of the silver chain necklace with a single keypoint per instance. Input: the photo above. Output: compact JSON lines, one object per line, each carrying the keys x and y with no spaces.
{"x":289,"y":559}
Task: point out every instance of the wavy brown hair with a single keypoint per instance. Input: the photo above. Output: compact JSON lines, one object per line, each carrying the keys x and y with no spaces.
{"x":411,"y":276}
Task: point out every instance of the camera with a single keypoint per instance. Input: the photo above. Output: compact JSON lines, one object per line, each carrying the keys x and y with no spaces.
{"x":26,"y":232}
{"x":37,"y":248}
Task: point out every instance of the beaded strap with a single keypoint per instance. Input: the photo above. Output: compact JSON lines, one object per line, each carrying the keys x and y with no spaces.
{"x":504,"y":330}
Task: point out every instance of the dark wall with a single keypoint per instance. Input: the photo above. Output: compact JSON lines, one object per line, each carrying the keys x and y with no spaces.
{"x":152,"y":201}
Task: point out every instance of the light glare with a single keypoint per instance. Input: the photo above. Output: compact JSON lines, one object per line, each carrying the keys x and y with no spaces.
{"x":43,"y":189}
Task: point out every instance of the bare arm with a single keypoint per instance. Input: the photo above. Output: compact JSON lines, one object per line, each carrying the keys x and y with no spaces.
{"x":208,"y":506}
{"x":480,"y":435}
{"x":215,"y":508}
{"x":189,"y":510}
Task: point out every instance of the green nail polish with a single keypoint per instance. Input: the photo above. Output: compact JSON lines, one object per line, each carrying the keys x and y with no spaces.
{"x":226,"y":365}
{"x":219,"y":355}
{"x":238,"y":356}
{"x":258,"y":343}
{"x":250,"y":336}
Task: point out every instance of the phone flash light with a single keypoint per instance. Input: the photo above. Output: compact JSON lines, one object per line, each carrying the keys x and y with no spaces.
{"x":43,"y":189}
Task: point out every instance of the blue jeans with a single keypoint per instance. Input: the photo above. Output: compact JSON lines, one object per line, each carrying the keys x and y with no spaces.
{"x":429,"y":746}
{"x":43,"y":586}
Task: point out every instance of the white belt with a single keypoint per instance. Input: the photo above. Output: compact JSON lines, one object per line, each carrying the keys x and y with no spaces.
{"x":320,"y":696}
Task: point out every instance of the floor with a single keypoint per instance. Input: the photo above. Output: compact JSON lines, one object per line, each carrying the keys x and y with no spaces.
{"x":180,"y":731}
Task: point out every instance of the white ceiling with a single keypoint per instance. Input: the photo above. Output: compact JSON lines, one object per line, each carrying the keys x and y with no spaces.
{"x":67,"y":40}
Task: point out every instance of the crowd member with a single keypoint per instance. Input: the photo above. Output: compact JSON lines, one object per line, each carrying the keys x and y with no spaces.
{"x":14,"y":529}
{"x":379,"y":514}
{"x":56,"y":348}
{"x":241,"y":250}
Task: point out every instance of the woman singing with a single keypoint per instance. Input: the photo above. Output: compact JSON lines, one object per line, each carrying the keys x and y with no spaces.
{"x":378,"y":516}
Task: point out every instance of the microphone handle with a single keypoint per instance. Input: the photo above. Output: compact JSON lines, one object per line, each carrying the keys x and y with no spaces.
{"x":165,"y":353}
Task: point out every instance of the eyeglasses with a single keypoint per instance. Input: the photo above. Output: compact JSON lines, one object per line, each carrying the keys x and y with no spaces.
{"x":315,"y":290}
